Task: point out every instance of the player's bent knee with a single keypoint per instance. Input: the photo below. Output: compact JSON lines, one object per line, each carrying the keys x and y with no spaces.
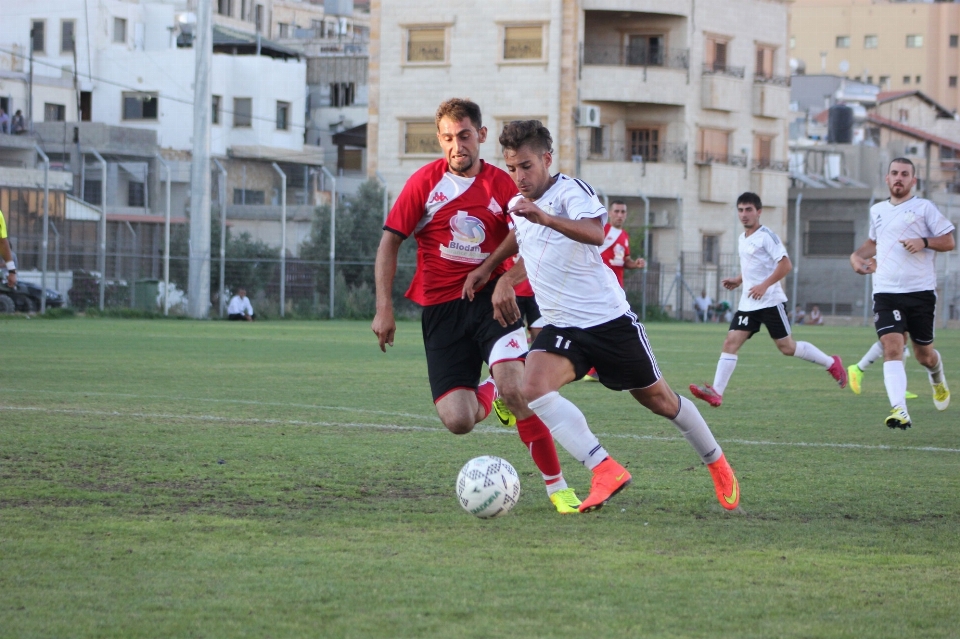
{"x":458,"y":426}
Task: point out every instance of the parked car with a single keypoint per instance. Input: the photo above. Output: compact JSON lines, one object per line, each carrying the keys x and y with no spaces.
{"x":26,"y":298}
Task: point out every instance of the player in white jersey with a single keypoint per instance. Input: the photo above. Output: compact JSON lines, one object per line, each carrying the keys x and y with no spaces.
{"x":906,"y":232}
{"x":763,"y":263}
{"x":558,"y":228}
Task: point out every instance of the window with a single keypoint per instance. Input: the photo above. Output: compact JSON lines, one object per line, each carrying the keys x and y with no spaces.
{"x":869,"y":79}
{"x":283,"y":30}
{"x":870,"y":41}
{"x":906,"y":79}
{"x":136,"y":194}
{"x":884,"y":81}
{"x":644,"y":145}
{"x":225,"y":7}
{"x":843,"y":42}
{"x":764,"y":61}
{"x":793,"y":42}
{"x":215,"y":116}
{"x":762,"y":151}
{"x":954,"y":41}
{"x":37,"y":40}
{"x":119,"y":30}
{"x":952,"y":81}
{"x":246,"y":196}
{"x":523,"y":43}
{"x":711,"y":250}
{"x":714,"y":145}
{"x":903,"y":115}
{"x":140,"y":106}
{"x":66,"y":36}
{"x":242,"y":112}
{"x":54,"y":112}
{"x":92,"y":193}
{"x":715,"y":53}
{"x":427,"y":44}
{"x":596,"y":140}
{"x":246,"y":10}
{"x":343,"y":94}
{"x":914,"y":41}
{"x":283,"y":116}
{"x":916,"y":80}
{"x":258,"y":18}
{"x":645,"y":50}
{"x":829,"y":238}
{"x":420,"y":138}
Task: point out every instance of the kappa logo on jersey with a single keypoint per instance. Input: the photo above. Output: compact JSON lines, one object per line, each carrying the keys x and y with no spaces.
{"x":494,"y":208}
{"x":467,"y":234}
{"x":438,"y":198}
{"x":513,"y":343}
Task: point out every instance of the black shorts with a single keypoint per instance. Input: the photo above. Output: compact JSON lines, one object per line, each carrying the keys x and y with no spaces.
{"x":457,"y":337}
{"x":773,"y":317}
{"x":618,"y":349}
{"x":529,"y":311}
{"x":915,"y":313}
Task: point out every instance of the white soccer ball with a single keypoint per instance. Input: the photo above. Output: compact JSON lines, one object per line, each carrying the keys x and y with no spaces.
{"x":488,"y":487}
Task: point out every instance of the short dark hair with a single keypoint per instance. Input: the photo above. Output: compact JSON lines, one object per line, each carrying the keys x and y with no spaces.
{"x":750,"y":198}
{"x":612,"y":202}
{"x":529,"y":133}
{"x":459,"y":108}
{"x":913,"y":169}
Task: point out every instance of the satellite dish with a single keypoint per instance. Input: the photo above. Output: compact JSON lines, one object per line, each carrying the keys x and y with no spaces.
{"x":844,"y":66}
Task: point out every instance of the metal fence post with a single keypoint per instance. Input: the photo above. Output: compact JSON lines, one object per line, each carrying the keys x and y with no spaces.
{"x":646,"y":255}
{"x":166,"y":241}
{"x":223,"y":232}
{"x":333,"y":235}
{"x":283,"y":238}
{"x":46,"y":230}
{"x":799,"y":243}
{"x":103,"y":225}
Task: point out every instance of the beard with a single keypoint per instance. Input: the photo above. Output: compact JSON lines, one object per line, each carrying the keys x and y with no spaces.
{"x":460,"y":164}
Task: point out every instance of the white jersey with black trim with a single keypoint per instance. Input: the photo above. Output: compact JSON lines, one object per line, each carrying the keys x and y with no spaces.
{"x":759,"y":255}
{"x":899,"y":271}
{"x":572,"y":285}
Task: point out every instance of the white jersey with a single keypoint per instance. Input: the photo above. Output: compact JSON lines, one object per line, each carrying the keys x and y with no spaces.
{"x":899,"y":271}
{"x":759,"y":255}
{"x":239,"y":305}
{"x":572,"y":285}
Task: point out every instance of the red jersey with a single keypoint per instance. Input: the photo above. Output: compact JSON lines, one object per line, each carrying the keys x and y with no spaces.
{"x":457,"y":222}
{"x":523,"y":289}
{"x":615,"y":247}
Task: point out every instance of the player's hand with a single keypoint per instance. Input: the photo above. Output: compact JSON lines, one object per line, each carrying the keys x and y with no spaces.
{"x":529,"y":211}
{"x":756,"y":292}
{"x":730,"y":283}
{"x":913,"y":245}
{"x":639,"y":263}
{"x":863,"y":266}
{"x":385,"y":327}
{"x":505,"y":309}
{"x":474,"y":282}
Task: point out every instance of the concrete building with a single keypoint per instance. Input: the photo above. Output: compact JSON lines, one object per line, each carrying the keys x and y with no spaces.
{"x":682,"y":103}
{"x":897,"y":45}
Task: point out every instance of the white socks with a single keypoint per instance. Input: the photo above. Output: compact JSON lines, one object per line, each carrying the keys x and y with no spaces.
{"x":696,"y":431}
{"x":810,"y":353}
{"x":872,"y":355}
{"x":936,"y":371}
{"x":725,"y":368}
{"x":569,"y":427}
{"x":895,"y":381}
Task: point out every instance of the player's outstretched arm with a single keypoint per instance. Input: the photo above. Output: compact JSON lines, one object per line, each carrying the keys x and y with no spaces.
{"x":862,"y":259}
{"x":384,"y":324}
{"x":731,"y":283}
{"x":481,"y":275}
{"x":505,"y":309}
{"x":629,"y":262}
{"x":586,"y":230}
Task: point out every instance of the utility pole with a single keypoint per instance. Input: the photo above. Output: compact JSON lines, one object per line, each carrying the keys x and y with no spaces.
{"x":198,"y":281}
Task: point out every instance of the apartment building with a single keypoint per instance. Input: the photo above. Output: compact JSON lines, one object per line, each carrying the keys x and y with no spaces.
{"x":900,"y":46}
{"x":679,"y":105}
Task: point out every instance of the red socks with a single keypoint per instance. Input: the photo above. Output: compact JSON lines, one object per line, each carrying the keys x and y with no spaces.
{"x":535,"y":434}
{"x":486,"y":393}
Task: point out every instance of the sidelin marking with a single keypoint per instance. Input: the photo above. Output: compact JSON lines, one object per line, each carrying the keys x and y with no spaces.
{"x":480,"y":428}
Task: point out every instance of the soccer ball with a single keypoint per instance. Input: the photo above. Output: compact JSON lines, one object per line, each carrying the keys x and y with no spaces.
{"x":488,"y":487}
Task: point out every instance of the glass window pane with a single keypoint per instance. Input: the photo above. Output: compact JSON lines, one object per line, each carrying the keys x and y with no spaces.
{"x":426,"y":45}
{"x":421,"y":137}
{"x":523,"y":43}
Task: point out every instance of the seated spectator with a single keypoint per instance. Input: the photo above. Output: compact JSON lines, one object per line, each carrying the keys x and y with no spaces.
{"x":240,"y":308}
{"x":815,"y":318}
{"x":704,"y":305}
{"x":798,"y":315}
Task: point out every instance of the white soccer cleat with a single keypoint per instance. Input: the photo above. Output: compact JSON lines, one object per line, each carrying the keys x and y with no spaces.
{"x":941,"y":393}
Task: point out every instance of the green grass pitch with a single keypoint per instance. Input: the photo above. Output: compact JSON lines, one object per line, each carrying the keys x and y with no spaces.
{"x":286,"y":479}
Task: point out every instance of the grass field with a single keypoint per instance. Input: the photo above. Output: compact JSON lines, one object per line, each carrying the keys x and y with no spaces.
{"x":285,"y":479}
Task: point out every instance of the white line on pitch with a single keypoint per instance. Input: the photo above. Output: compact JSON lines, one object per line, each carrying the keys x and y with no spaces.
{"x":480,"y":428}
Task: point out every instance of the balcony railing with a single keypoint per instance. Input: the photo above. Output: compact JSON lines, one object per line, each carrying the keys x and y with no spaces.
{"x":776,"y":80}
{"x":718,"y":68}
{"x":705,"y":157}
{"x":771,"y":165}
{"x":625,"y":55}
{"x":622,"y":151}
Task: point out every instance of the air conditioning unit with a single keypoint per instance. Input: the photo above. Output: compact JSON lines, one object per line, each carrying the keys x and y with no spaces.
{"x":916,"y":150}
{"x":589,"y":116}
{"x":659,"y":219}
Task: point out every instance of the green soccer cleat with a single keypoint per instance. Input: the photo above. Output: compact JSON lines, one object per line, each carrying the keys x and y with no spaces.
{"x":910,"y":395}
{"x":855,"y":377}
{"x":566,"y":502}
{"x":898,"y":418}
{"x":504,"y":414}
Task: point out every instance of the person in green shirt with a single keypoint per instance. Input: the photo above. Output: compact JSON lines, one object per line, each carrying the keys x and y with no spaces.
{"x":6,"y":254}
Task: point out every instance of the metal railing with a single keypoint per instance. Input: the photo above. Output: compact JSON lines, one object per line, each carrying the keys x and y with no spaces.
{"x":625,"y":55}
{"x":781,"y":166}
{"x":776,"y":80}
{"x":705,"y":157}
{"x":618,"y":150}
{"x":719,"y":68}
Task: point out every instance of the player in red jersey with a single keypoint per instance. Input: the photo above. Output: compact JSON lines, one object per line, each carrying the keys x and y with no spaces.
{"x":455,"y":207}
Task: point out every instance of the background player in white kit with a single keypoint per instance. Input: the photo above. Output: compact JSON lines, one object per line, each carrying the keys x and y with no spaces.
{"x":763,"y":263}
{"x":906,"y":232}
{"x":558,"y":228}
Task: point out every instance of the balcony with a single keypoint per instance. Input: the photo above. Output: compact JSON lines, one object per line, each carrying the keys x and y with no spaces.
{"x":644,"y":6}
{"x":616,"y":170}
{"x":721,"y":87}
{"x":720,"y":176}
{"x":771,"y":182}
{"x":615,"y":73}
{"x":771,"y":96}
